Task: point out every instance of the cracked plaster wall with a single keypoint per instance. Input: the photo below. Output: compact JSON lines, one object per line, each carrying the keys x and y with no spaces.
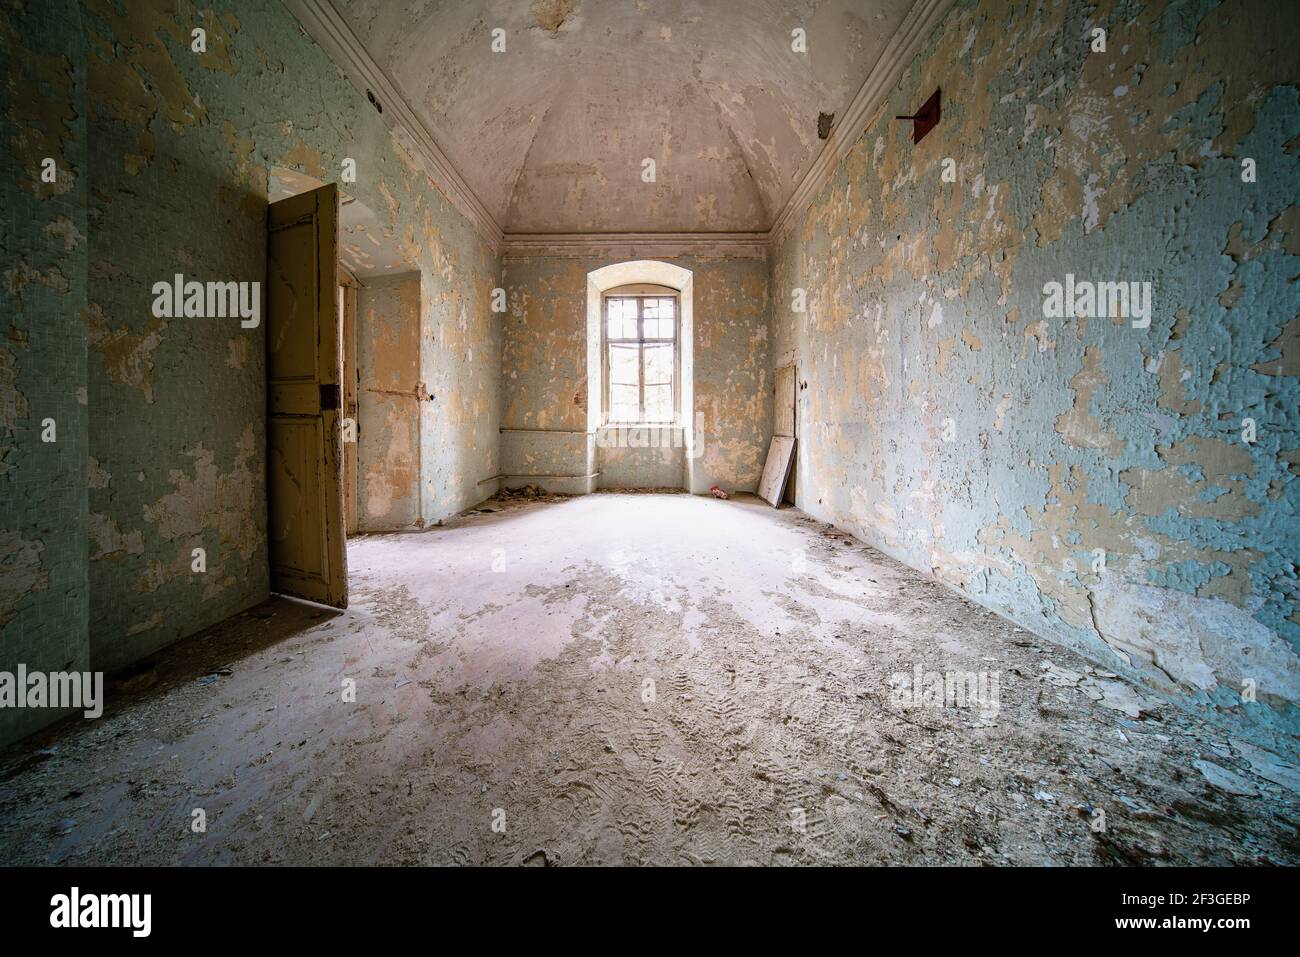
{"x":925,"y":304}
{"x":162,"y":421}
{"x":184,"y":143}
{"x":43,"y":342}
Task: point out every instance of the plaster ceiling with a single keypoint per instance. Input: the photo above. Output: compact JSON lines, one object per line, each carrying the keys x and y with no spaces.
{"x":551,"y":134}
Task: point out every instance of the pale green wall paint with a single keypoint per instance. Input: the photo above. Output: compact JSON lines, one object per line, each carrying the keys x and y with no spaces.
{"x":925,"y":308}
{"x":43,"y":586}
{"x":174,"y":428}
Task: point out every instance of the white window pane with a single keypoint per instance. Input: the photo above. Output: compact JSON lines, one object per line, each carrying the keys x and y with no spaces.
{"x":624,"y":365}
{"x":623,"y":401}
{"x":658,"y":403}
{"x":658,"y":364}
{"x":660,"y":311}
{"x":622,"y":318}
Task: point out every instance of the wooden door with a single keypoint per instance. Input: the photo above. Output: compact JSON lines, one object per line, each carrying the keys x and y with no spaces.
{"x":304,"y":436}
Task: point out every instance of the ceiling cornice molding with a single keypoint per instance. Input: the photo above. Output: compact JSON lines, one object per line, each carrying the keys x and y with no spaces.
{"x":328,"y":28}
{"x":905,"y":44}
{"x":636,"y":245}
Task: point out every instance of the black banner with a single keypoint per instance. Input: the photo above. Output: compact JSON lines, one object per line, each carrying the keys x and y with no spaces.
{"x":331,"y":907}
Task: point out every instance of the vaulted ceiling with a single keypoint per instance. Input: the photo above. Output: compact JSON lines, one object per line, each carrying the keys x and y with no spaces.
{"x":551,"y":134}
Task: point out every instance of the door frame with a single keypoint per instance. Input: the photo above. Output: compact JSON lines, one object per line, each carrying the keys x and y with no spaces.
{"x":350,"y":376}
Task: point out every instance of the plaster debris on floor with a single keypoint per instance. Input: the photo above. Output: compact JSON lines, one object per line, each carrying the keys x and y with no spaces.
{"x":598,"y":673}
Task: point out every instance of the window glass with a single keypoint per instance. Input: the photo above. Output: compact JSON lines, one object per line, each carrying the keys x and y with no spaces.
{"x":659,"y":403}
{"x":641,"y":370}
{"x":658,"y":364}
{"x":659,"y":321}
{"x":622,"y":318}
{"x":624,"y":364}
{"x":623,"y":403}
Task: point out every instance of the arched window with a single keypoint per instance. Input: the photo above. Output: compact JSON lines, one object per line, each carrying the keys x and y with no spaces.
{"x":650,"y":347}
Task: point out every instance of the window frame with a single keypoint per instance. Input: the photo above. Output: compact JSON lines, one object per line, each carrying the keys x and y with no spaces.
{"x":640,"y":293}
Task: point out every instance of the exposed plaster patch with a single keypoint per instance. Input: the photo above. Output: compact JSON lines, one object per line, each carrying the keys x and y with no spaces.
{"x":45,"y":117}
{"x":1179,"y":639}
{"x":109,"y":539}
{"x":1173,"y":376}
{"x":1287,"y":345}
{"x":1219,"y":466}
{"x":13,"y":406}
{"x":210,"y":500}
{"x":23,"y":274}
{"x":22,"y":572}
{"x":127,"y":355}
{"x":96,"y":477}
{"x":210,"y":493}
{"x":549,"y":15}
{"x":1079,"y":427}
{"x":66,"y":230}
{"x":238,"y":350}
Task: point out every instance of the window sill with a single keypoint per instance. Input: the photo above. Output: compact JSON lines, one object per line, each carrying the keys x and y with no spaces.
{"x":641,"y":425}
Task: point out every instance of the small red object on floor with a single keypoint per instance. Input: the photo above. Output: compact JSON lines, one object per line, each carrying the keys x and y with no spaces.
{"x":717,"y":492}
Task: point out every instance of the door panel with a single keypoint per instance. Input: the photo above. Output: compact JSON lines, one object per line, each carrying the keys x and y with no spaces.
{"x":304,"y":435}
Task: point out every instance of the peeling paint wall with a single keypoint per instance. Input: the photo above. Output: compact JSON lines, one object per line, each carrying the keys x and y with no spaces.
{"x":43,"y":586}
{"x":642,"y":458}
{"x":165,"y":449}
{"x":545,"y":383}
{"x":460,"y":353}
{"x":184,"y":142}
{"x":733,"y":380}
{"x":951,"y":423}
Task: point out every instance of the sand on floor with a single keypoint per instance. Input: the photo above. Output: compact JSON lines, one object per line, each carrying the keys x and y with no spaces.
{"x":629,"y":679}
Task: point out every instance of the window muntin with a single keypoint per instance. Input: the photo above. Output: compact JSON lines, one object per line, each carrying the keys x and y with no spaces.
{"x":641,"y":359}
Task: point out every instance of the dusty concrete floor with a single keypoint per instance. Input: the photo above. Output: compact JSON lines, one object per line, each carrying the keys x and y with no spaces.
{"x":500,"y":664}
